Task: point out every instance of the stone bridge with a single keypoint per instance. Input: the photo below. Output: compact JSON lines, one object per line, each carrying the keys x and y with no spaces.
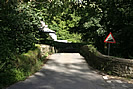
{"x":69,"y":71}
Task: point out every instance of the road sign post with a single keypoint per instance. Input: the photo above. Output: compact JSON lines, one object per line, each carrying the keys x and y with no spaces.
{"x":108,"y":48}
{"x":109,"y":39}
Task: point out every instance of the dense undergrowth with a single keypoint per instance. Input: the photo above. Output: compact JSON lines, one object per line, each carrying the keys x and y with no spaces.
{"x":21,"y":67}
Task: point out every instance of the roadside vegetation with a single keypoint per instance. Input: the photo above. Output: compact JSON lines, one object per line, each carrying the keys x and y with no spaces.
{"x":21,"y":66}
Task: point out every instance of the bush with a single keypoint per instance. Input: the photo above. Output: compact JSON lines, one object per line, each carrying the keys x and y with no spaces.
{"x":20,"y":67}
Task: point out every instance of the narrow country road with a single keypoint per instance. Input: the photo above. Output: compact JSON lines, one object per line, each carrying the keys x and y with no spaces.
{"x":68,"y":71}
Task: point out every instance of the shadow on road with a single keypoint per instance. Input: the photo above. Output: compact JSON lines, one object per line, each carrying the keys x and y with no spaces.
{"x":71,"y":73}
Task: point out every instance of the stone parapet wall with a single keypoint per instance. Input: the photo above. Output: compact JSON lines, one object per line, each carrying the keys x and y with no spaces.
{"x":46,"y":49}
{"x":109,"y":64}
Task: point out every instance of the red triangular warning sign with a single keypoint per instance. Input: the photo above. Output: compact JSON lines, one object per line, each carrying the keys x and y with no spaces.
{"x":110,"y":39}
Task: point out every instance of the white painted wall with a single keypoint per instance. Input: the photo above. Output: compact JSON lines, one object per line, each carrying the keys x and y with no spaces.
{"x":53,"y":35}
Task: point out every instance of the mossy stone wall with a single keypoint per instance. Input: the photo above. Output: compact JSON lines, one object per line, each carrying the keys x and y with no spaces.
{"x":109,"y":64}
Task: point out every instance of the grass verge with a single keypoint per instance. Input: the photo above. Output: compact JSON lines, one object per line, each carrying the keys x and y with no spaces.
{"x":21,"y":67}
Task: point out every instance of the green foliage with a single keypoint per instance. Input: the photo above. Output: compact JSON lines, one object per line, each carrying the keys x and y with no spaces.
{"x":117,"y":19}
{"x":92,"y":49}
{"x":61,"y":17}
{"x":74,"y":38}
{"x":99,"y":18}
{"x":18,"y":30}
{"x":62,"y":24}
{"x":22,"y":66}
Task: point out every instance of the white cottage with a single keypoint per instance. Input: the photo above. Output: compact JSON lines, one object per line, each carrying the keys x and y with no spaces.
{"x":52,"y":33}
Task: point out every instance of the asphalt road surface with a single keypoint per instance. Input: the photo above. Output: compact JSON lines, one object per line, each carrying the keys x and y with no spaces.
{"x":68,"y":71}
